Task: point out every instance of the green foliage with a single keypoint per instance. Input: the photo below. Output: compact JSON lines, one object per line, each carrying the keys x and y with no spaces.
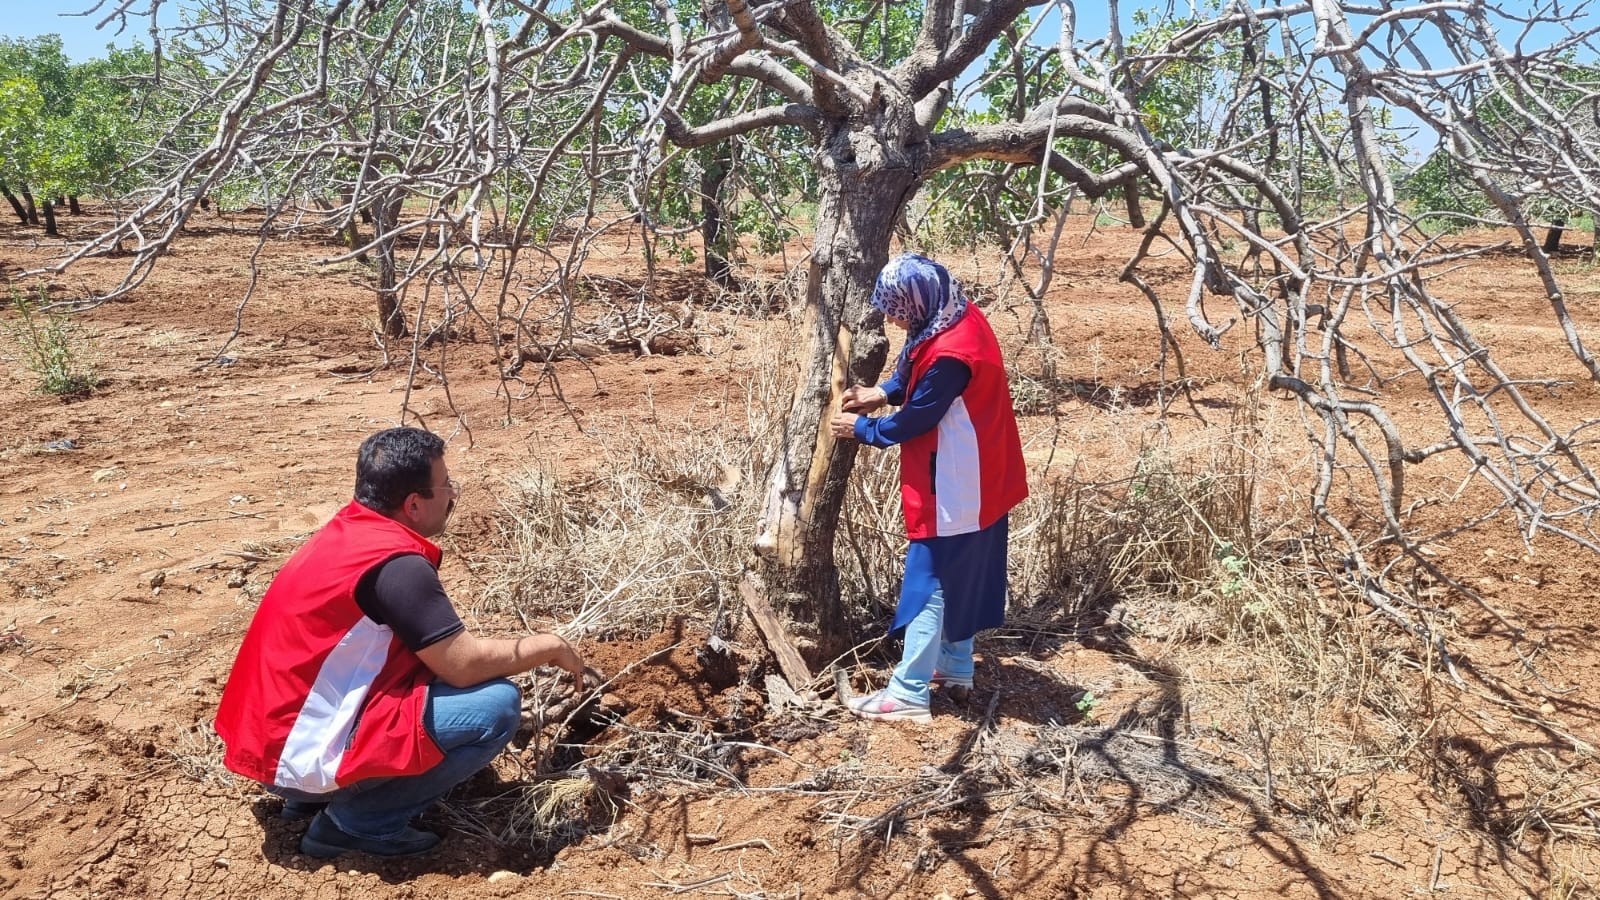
{"x":1443,"y":193}
{"x":1086,"y":705}
{"x":65,"y":129}
{"x":48,"y":344}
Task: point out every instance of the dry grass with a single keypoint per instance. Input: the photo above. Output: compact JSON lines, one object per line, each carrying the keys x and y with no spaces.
{"x":1268,"y":689}
{"x":659,"y":534}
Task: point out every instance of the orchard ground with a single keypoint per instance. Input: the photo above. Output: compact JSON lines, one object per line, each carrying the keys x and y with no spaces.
{"x":140,"y":524}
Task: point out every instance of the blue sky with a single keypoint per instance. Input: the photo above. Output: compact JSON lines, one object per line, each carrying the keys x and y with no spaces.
{"x":32,"y":18}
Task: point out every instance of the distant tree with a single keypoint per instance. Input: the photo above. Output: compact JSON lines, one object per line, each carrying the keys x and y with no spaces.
{"x":1546,"y":173}
{"x":65,"y":129}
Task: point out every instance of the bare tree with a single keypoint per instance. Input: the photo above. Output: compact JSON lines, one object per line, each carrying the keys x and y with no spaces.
{"x":497,"y":127}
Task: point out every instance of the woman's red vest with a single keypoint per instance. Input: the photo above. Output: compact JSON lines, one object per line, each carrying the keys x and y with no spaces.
{"x":322,"y":696}
{"x":964,"y":474}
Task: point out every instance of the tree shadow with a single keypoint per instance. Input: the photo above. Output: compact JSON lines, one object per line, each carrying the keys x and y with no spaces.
{"x":1143,"y":768}
{"x":1114,"y":396}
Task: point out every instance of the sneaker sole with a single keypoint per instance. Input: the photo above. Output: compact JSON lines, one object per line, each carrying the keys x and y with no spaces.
{"x":920,"y":716}
{"x":914,"y":718}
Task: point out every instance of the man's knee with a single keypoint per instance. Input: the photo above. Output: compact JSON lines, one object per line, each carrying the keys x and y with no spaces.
{"x":504,"y":701}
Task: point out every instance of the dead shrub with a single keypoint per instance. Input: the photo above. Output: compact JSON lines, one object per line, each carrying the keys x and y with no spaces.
{"x":659,"y":533}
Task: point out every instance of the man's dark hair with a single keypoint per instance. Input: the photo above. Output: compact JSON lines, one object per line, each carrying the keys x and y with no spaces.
{"x":394,"y":464}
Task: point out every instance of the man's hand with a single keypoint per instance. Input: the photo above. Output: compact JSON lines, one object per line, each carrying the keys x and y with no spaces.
{"x":553,"y":650}
{"x":843,"y":425}
{"x":862,"y":399}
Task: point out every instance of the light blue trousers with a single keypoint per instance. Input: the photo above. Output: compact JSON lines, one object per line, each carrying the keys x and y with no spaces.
{"x":926,"y":651}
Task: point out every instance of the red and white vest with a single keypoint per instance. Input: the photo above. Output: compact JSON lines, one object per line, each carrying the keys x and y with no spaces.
{"x":321,"y":696}
{"x":967,"y":472}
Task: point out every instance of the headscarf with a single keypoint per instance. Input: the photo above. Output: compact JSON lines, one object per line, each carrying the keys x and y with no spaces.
{"x":917,"y":289}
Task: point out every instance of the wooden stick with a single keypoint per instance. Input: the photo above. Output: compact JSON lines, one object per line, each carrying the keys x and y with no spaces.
{"x":741,"y":845}
{"x":237,"y":515}
{"x":789,"y":660}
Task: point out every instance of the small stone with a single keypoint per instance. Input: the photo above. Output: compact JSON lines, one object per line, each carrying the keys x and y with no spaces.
{"x":501,"y":875}
{"x":221,"y":862}
{"x":1547,"y":708}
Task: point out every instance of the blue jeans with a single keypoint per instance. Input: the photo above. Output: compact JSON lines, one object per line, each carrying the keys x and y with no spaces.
{"x":926,"y":651}
{"x":471,"y":725}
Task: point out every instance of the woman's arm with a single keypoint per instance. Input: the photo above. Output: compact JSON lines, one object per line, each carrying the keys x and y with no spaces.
{"x":935,"y":391}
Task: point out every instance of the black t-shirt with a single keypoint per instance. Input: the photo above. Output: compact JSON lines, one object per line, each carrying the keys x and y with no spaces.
{"x":405,"y":594}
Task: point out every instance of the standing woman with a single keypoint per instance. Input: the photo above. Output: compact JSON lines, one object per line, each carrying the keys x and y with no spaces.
{"x":961,"y":472}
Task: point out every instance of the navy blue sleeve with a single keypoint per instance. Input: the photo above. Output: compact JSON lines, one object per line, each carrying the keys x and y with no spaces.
{"x":936,"y":390}
{"x":405,"y":594}
{"x":893,"y":390}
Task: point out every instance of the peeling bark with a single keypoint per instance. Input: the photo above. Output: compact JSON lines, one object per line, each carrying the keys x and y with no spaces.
{"x":866,"y":182}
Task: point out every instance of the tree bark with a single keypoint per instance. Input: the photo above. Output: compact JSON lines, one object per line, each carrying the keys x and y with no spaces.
{"x":385,"y":216}
{"x":351,"y":232}
{"x":73,"y":207}
{"x":1552,"y":238}
{"x":16,"y":205}
{"x":32,"y":208}
{"x":867,"y":178}
{"x":719,"y":164}
{"x":50,"y":218}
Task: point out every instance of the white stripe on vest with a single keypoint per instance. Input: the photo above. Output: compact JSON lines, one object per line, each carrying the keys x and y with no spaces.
{"x":316,"y":745}
{"x":957,"y":485}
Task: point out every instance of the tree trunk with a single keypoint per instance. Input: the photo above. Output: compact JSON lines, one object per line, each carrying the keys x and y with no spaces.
{"x":391,"y":319}
{"x":32,"y":208}
{"x":351,"y":232}
{"x":1552,"y":238}
{"x":73,"y":207}
{"x":16,"y":205}
{"x":50,"y":218}
{"x":866,"y":179}
{"x":718,"y":165}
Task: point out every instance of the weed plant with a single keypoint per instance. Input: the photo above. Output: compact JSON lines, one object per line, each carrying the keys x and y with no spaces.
{"x":48,"y":342}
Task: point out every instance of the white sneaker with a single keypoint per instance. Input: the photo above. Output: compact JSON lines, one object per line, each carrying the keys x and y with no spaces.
{"x":940,"y":679}
{"x":884,"y":707}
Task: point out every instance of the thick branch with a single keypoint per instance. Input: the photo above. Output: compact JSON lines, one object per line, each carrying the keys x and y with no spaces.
{"x":685,"y":135}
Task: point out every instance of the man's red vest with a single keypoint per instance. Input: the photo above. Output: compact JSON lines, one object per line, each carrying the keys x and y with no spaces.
{"x":967,"y":472}
{"x":322,"y":696}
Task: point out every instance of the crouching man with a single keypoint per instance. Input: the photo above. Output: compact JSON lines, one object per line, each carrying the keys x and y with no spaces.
{"x":358,"y":695}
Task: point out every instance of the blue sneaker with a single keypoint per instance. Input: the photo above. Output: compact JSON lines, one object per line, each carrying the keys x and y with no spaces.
{"x":326,"y":840}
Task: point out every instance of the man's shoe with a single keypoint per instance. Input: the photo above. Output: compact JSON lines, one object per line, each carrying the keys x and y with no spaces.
{"x":883,"y":707}
{"x":325,"y":840}
{"x":299,"y":810}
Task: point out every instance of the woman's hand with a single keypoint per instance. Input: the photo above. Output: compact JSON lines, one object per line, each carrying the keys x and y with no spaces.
{"x":843,"y":425}
{"x":862,"y":399}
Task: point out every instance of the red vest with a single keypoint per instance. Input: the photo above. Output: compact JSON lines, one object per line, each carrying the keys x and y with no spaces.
{"x":967,"y":472}
{"x":321,"y":696}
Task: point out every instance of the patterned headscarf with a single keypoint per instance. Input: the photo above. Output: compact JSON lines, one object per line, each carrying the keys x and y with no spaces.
{"x":917,"y":289}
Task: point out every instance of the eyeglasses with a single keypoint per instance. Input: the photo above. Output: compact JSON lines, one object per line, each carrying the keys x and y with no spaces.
{"x":449,"y":485}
